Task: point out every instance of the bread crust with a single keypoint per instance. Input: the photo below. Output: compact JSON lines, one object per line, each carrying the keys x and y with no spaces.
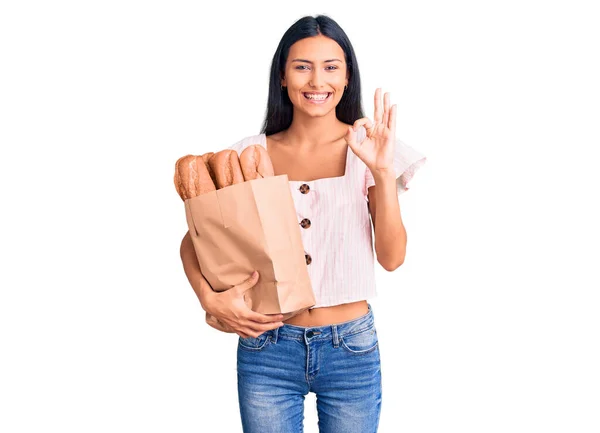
{"x":205,"y":158}
{"x":255,"y":163}
{"x":226,"y":168}
{"x":192,"y":177}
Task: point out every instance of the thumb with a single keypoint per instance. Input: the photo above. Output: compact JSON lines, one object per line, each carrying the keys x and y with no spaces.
{"x":351,"y":139}
{"x":249,"y":283}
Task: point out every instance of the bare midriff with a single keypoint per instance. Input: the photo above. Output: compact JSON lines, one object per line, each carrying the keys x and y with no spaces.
{"x":324,"y":316}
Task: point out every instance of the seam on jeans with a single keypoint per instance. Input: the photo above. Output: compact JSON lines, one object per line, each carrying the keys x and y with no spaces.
{"x":336,"y":337}
{"x":254,"y":349}
{"x":290,"y":337}
{"x":360,"y":352}
{"x":358,"y":331}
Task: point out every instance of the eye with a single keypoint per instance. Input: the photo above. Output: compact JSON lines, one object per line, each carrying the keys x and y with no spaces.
{"x":333,"y":68}
{"x":301,"y":66}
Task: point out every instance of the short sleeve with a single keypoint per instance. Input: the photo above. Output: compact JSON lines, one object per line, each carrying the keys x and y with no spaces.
{"x":245,"y":142}
{"x":407,"y":161}
{"x":237,"y":146}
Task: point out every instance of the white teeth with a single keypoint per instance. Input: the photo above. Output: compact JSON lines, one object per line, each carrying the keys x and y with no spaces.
{"x":317,"y":96}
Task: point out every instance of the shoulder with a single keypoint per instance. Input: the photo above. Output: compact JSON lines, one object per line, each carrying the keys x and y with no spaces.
{"x":240,"y":145}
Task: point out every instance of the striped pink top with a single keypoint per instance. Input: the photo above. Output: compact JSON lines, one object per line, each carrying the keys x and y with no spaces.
{"x":335,"y":226}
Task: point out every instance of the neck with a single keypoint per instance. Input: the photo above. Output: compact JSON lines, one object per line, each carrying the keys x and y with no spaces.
{"x":307,"y":132}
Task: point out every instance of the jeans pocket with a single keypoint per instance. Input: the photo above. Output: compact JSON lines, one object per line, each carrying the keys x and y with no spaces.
{"x":361,"y":342}
{"x":254,"y":344}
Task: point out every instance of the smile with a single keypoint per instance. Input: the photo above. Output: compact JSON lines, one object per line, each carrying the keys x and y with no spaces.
{"x":317,"y":98}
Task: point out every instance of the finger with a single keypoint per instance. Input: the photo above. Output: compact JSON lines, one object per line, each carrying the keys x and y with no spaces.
{"x":351,"y":138}
{"x":361,"y":121}
{"x":393,"y":119}
{"x":366,"y":122}
{"x":224,"y":327}
{"x":378,"y":111}
{"x":235,"y":328}
{"x":249,"y":329}
{"x":248,"y":283}
{"x":219,"y":326}
{"x":248,"y":313}
{"x":256,"y":329}
{"x":255,"y":317}
{"x":386,"y":108}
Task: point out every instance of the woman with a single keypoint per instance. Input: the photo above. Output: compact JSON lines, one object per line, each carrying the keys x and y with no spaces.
{"x":336,"y":160}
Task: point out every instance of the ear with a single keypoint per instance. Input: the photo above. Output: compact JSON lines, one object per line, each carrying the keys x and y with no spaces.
{"x":283,"y":83}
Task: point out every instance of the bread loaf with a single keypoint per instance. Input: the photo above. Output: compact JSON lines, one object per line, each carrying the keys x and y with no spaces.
{"x":205,"y":158}
{"x":192,"y":177}
{"x":255,"y":163}
{"x":226,"y":168}
{"x":196,"y":175}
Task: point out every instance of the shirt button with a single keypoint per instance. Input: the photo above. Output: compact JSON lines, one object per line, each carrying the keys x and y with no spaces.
{"x":304,"y":188}
{"x":308,"y":258}
{"x":305,"y":223}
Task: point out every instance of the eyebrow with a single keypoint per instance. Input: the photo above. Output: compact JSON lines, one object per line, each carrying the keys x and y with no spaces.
{"x":308,"y":61}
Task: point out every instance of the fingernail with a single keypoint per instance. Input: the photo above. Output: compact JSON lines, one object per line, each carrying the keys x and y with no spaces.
{"x":254,"y":274}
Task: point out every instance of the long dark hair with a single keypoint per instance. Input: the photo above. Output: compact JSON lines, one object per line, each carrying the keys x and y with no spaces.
{"x":279,"y":107}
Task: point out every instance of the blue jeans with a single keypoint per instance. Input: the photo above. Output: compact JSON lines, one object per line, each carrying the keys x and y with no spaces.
{"x":340,"y":363}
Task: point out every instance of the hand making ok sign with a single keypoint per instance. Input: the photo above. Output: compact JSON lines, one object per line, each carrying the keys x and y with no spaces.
{"x":377,"y":149}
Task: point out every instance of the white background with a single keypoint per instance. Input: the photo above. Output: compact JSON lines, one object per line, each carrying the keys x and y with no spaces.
{"x":490,"y":325}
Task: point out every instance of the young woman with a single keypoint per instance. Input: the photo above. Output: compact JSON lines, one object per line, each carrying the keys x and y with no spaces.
{"x":341,"y":166}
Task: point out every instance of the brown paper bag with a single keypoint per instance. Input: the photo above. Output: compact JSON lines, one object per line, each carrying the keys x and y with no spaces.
{"x":252,"y":226}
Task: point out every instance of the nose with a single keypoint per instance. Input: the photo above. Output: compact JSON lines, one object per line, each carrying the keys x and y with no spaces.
{"x":316,"y":79}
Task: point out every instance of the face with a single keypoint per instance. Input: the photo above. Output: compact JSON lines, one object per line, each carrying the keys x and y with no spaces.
{"x":315,"y":75}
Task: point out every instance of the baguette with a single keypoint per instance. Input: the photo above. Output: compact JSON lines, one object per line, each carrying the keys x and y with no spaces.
{"x":192,"y":177}
{"x":226,"y":168}
{"x":255,"y":163}
{"x":205,"y":158}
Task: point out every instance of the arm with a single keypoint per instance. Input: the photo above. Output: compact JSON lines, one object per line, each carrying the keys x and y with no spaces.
{"x":198,"y":282}
{"x":390,"y":234}
{"x":225,"y":311}
{"x":192,"y":271}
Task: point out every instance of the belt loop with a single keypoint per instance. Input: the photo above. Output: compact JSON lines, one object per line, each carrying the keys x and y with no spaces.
{"x":275,"y":335}
{"x":335,"y":336}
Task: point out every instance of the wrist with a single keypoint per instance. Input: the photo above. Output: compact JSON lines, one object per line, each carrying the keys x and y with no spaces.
{"x":206,"y":297}
{"x":383,"y":174}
